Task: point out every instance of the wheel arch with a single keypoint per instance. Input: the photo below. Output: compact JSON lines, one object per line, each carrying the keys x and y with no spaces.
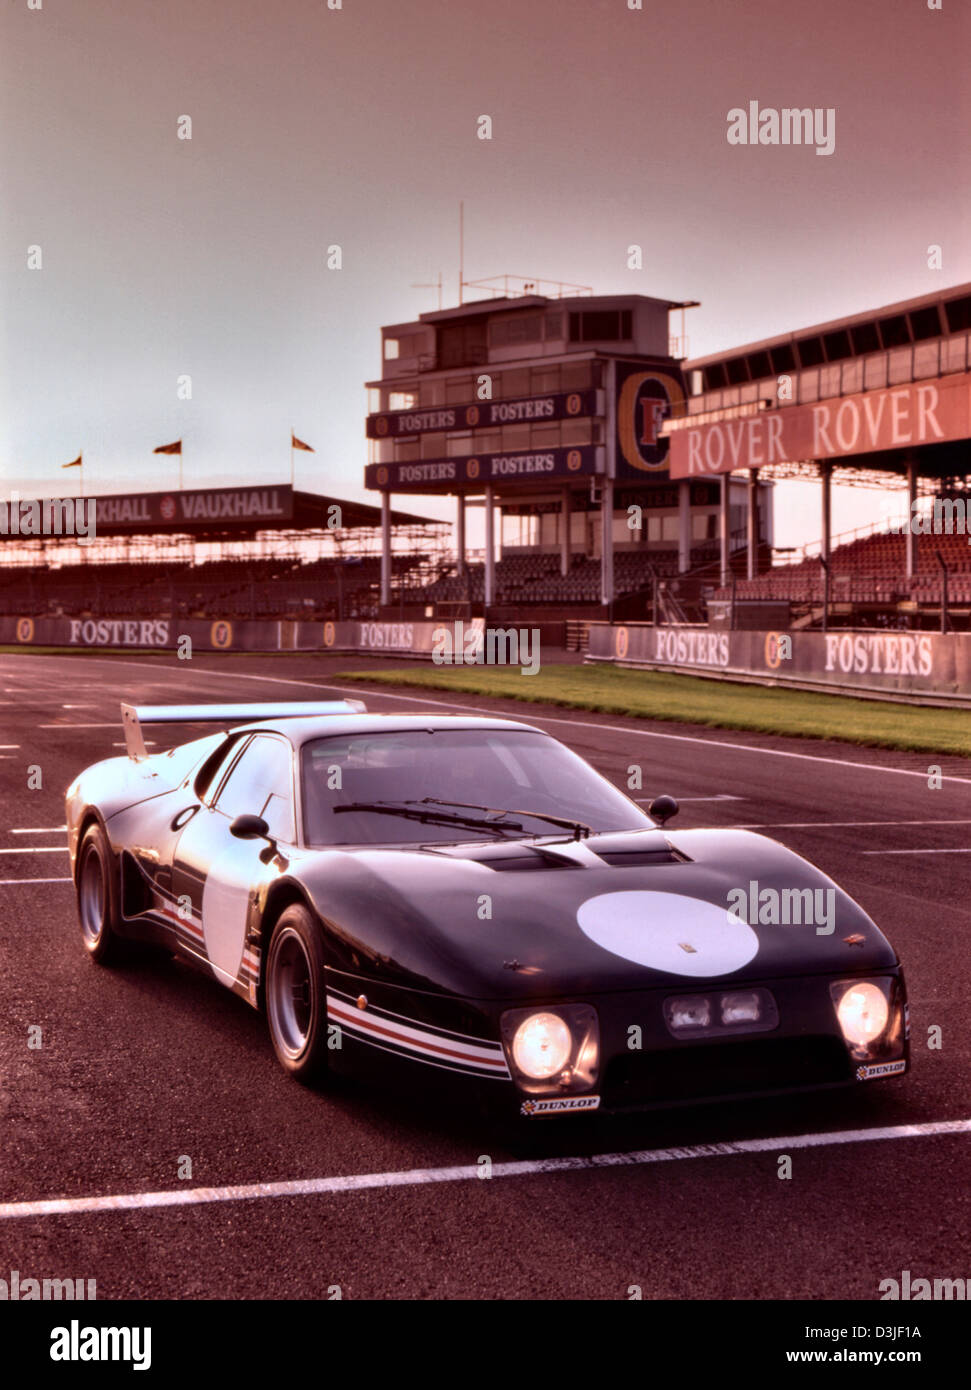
{"x":281,"y":896}
{"x":90,"y":816}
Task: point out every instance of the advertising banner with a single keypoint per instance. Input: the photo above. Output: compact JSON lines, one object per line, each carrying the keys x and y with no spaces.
{"x":906,"y":662}
{"x":159,"y":634}
{"x":561,"y":405}
{"x":429,"y":475}
{"x":898,"y":417}
{"x":644,"y":398}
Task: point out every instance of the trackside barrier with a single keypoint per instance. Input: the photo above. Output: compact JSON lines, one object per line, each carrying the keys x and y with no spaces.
{"x":848,"y":661}
{"x":151,"y":634}
{"x":166,"y":634}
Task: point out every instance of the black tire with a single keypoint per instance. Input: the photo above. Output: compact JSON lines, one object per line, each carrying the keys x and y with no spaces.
{"x":295,"y":994}
{"x":98,"y":899}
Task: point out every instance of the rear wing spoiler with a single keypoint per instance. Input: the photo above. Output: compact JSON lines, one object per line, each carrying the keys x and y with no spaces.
{"x":134,"y":716}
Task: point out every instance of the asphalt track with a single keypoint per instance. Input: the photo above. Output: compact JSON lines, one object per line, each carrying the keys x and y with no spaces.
{"x":294,"y":1192}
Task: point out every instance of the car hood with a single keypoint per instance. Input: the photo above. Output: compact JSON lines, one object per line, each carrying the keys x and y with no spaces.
{"x":638,"y":910}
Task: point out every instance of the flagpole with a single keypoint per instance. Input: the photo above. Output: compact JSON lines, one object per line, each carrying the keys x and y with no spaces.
{"x":180,"y":467}
{"x":291,"y":457}
{"x":81,"y":472}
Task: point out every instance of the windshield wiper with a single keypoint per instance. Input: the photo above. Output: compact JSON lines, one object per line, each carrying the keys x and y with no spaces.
{"x":580,"y":830}
{"x":410,"y":810}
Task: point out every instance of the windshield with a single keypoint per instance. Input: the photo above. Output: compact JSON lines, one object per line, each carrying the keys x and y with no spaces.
{"x":455,"y":769}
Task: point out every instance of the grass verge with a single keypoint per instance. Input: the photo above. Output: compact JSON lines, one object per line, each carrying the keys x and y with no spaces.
{"x":693,"y":700}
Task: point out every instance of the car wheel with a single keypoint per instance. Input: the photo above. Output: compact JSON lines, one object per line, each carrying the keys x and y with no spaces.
{"x":96,"y":899}
{"x":296,"y":995}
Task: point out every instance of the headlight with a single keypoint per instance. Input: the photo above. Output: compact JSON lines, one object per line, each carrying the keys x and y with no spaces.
{"x":741,"y":1007}
{"x":542,"y":1045}
{"x":553,"y":1050}
{"x":717,"y":1015}
{"x":863,"y":1012}
{"x":694,"y":1011}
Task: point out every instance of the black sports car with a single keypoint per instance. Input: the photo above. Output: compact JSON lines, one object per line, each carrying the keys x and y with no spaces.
{"x":466,"y":899}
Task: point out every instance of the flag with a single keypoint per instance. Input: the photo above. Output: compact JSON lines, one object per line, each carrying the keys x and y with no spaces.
{"x":75,"y":464}
{"x":296,"y":443}
{"x":175,"y":448}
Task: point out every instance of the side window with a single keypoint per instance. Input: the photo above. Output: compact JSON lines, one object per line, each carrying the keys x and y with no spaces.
{"x":214,"y":769}
{"x":260,"y":785}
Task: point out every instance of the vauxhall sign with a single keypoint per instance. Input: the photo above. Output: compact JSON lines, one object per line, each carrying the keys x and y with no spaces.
{"x":898,"y":417}
{"x":179,"y":511}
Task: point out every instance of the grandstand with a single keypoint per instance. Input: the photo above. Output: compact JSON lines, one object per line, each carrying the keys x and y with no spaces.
{"x":616,"y":482}
{"x":868,"y":584}
{"x":278,"y":558}
{"x":878,"y":400}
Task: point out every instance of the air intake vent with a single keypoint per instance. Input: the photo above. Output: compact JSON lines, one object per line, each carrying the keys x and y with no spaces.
{"x":631,"y":858}
{"x":632,"y":850}
{"x":529,"y":863}
{"x":512,"y":857}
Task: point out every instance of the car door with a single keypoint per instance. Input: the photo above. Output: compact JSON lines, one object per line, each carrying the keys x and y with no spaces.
{"x":219,"y":873}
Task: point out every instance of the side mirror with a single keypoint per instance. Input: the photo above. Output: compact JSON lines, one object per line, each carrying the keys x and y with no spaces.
{"x":661,"y":809}
{"x":250,"y":828}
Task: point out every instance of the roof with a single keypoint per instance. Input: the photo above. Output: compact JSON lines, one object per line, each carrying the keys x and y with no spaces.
{"x":504,"y":305}
{"x":235,"y":512}
{"x":901,"y":306}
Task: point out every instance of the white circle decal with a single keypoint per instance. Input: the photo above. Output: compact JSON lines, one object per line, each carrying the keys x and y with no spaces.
{"x":669,"y":932}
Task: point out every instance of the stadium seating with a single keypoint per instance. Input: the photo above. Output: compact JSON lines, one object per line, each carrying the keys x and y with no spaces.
{"x":867,"y":573}
{"x":870,"y":571}
{"x":234,"y":588}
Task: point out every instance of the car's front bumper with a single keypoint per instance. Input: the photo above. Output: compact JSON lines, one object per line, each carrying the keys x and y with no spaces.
{"x":642,"y":1066}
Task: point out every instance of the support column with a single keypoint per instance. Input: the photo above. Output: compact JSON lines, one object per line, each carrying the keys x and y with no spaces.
{"x":385,"y":548}
{"x":490,"y":546}
{"x":684,"y":526}
{"x":826,"y":507}
{"x":753,"y":523}
{"x":460,"y":532}
{"x":723,"y":525}
{"x":607,"y":541}
{"x":565,"y":521}
{"x":910,"y":540}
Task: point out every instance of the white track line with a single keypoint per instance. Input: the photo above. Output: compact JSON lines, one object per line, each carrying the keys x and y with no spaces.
{"x":683,"y":800}
{"x":835,"y":824}
{"x":915,"y":851}
{"x":40,"y":830}
{"x":377,"y":691}
{"x":9,"y":881}
{"x":413,"y":1177}
{"x":36,"y":849}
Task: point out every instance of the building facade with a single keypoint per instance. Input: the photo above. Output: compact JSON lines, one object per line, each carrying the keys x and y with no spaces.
{"x":550,"y":413}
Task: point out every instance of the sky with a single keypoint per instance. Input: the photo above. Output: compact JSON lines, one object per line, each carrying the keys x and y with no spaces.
{"x":315,"y":126}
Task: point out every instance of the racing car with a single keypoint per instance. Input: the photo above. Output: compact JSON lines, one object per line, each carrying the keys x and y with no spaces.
{"x":466,"y":900}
